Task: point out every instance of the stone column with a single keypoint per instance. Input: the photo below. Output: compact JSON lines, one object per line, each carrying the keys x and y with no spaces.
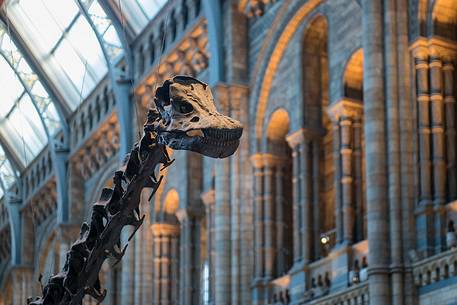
{"x":128,"y":268}
{"x":22,"y":284}
{"x":316,"y":178}
{"x":258,"y":284}
{"x":339,"y":225}
{"x":424,"y":222}
{"x":268,"y":217}
{"x":279,"y":225}
{"x":257,"y":163}
{"x":343,"y":114}
{"x":189,"y":282}
{"x":208,"y":199}
{"x":438,"y":152}
{"x":222,"y":233}
{"x":376,"y":159}
{"x":143,"y":256}
{"x":305,"y":199}
{"x":166,"y":263}
{"x":295,"y":198}
{"x":357,"y":160}
{"x":449,"y":104}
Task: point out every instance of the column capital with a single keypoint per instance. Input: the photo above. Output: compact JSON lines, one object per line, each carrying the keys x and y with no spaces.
{"x":209,"y":197}
{"x":164,"y":229}
{"x":297,"y":137}
{"x":259,"y":160}
{"x":188,"y":213}
{"x":345,"y":108}
{"x":424,"y":47}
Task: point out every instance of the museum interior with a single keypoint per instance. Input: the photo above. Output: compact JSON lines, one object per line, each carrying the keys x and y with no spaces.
{"x":343,"y":190}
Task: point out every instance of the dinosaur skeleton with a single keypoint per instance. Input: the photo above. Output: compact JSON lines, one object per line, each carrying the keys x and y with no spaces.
{"x":186,"y":118}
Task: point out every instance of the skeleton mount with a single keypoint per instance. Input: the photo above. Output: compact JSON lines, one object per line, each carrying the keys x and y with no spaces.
{"x":186,"y":118}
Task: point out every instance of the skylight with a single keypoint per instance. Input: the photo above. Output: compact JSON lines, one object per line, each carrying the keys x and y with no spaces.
{"x":23,"y":100}
{"x":64,"y":43}
{"x":139,"y":12}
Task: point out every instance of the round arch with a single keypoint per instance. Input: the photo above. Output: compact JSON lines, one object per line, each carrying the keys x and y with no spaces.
{"x":268,"y":62}
{"x":353,"y":76}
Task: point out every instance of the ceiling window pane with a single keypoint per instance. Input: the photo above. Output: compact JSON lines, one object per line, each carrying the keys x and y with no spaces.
{"x":139,"y":12}
{"x":17,"y":72}
{"x":105,"y":29}
{"x":7,"y":172}
{"x":88,"y":48}
{"x":21,"y":126}
{"x":68,"y":47}
{"x":11,"y":92}
{"x":23,"y":131}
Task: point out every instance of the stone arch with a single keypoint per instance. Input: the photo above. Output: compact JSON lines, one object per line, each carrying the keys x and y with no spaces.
{"x":49,"y":258}
{"x":422,"y":16}
{"x":353,"y":76}
{"x":315,"y":63}
{"x":166,"y":211}
{"x":444,"y":19}
{"x":270,"y":57}
{"x":276,"y":131}
{"x":171,"y":202}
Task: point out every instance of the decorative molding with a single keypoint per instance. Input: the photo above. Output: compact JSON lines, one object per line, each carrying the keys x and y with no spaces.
{"x":101,"y":147}
{"x":190,"y":56}
{"x":435,"y":268}
{"x":423,"y":47}
{"x":258,"y":8}
{"x":260,"y":160}
{"x":345,"y":108}
{"x":164,"y":229}
{"x":298,"y":137}
{"x":43,"y":204}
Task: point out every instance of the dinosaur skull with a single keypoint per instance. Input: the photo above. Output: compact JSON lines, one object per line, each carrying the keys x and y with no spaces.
{"x":191,"y":121}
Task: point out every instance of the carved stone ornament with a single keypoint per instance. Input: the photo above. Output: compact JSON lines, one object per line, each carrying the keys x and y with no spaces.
{"x":186,"y":119}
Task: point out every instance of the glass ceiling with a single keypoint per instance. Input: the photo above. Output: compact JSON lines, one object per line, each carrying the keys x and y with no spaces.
{"x":139,"y":12}
{"x":7,"y":172}
{"x":22,"y":129}
{"x":61,"y":39}
{"x":64,"y":43}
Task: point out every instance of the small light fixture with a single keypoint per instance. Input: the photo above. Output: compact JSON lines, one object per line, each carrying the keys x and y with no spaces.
{"x":325,"y":239}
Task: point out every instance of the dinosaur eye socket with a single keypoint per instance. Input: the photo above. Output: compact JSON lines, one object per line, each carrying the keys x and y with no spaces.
{"x":182,"y":106}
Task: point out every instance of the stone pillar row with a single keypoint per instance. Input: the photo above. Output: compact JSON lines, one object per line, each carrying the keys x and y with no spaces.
{"x":437,"y":148}
{"x":305,"y":154}
{"x":166,"y":263}
{"x":270,"y":258}
{"x":269,"y":215}
{"x":346,"y":116}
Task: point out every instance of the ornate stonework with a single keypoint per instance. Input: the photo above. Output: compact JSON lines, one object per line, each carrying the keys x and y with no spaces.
{"x":100,"y":148}
{"x":257,"y":8}
{"x":43,"y":204}
{"x":189,"y":57}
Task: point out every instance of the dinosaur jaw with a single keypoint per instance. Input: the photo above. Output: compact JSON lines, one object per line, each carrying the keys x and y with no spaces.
{"x":211,"y":142}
